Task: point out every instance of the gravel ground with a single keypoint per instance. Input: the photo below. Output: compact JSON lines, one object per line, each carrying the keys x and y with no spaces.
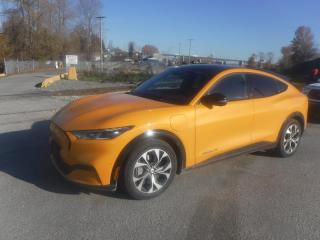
{"x":79,"y":85}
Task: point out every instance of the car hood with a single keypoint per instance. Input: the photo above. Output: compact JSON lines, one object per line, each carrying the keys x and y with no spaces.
{"x":97,"y":112}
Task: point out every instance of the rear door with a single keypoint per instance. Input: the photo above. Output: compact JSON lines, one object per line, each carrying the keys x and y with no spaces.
{"x":268,"y":103}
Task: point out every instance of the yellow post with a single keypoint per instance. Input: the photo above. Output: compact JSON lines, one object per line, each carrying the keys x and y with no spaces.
{"x":72,"y":73}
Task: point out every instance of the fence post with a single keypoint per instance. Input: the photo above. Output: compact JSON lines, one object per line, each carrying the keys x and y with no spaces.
{"x":5,"y":66}
{"x":18,"y":67}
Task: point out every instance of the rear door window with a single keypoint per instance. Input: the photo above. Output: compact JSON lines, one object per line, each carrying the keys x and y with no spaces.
{"x":262,"y":86}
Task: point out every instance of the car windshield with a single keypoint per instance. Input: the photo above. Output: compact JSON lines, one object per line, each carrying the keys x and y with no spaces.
{"x":175,"y":85}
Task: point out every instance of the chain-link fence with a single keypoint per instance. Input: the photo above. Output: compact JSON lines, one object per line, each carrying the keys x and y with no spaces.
{"x":17,"y":66}
{"x":109,"y":67}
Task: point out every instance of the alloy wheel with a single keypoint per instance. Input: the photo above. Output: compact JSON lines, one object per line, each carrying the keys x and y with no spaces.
{"x":291,"y":138}
{"x":152,"y":170}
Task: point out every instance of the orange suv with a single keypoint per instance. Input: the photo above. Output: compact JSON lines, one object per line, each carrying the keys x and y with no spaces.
{"x":176,"y":120}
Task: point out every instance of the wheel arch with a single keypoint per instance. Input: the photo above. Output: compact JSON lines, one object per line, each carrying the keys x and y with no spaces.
{"x":299,"y":117}
{"x":295,"y":115}
{"x":163,"y":135}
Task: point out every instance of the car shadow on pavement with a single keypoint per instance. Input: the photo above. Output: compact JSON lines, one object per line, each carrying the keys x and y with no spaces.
{"x":267,"y":153}
{"x":25,"y":156}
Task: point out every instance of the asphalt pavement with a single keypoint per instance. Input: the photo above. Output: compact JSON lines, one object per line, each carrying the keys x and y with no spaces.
{"x":255,"y":196}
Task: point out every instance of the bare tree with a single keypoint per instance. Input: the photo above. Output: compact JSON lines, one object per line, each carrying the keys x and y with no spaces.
{"x":63,"y":14}
{"x":48,"y":29}
{"x":4,"y":49}
{"x":268,"y":64}
{"x":262,"y":57}
{"x":89,"y":10}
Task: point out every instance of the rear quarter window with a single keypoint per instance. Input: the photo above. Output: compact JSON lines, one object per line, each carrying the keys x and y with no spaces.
{"x":262,"y":86}
{"x":281,"y":86}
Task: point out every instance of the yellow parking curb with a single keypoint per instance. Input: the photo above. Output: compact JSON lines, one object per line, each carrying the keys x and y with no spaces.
{"x":70,"y":75}
{"x":47,"y":82}
{"x":2,"y":75}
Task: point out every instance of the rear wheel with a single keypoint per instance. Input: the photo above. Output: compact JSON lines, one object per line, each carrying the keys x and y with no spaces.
{"x":150,"y":169}
{"x":289,"y":138}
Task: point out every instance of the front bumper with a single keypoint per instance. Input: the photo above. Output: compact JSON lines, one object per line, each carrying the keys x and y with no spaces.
{"x":84,"y":162}
{"x":86,"y":178}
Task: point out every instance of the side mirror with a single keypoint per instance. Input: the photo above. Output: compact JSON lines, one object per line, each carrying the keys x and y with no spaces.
{"x":214,"y":99}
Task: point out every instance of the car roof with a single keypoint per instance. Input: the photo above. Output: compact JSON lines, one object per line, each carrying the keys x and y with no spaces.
{"x":279,"y":75}
{"x":206,"y":67}
{"x":216,"y":68}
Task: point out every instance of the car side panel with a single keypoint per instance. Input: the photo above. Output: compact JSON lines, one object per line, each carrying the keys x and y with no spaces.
{"x":223,"y":128}
{"x":270,"y":114}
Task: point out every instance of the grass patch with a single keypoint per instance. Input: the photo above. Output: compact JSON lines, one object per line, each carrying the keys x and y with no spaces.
{"x":131,"y":78}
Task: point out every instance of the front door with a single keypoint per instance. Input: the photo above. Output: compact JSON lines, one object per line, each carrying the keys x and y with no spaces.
{"x":220,"y":129}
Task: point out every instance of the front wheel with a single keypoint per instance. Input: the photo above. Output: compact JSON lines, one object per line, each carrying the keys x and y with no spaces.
{"x":150,"y":168}
{"x":290,"y":138}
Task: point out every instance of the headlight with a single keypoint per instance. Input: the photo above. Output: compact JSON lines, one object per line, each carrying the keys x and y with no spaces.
{"x":101,"y":134}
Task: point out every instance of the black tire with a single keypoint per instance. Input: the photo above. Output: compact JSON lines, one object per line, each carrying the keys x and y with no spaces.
{"x":282,"y":149}
{"x":130,"y":170}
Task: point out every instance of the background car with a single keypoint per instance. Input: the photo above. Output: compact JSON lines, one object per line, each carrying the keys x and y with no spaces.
{"x":313,"y":93}
{"x":176,"y":120}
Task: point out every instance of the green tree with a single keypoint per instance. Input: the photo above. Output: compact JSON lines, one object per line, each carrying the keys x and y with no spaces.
{"x":303,"y":46}
{"x":286,"y":60}
{"x":131,"y":49}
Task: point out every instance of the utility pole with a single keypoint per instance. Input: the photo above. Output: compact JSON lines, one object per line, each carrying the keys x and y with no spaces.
{"x":190,"y":42}
{"x":179,"y":52}
{"x":101,"y":49}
